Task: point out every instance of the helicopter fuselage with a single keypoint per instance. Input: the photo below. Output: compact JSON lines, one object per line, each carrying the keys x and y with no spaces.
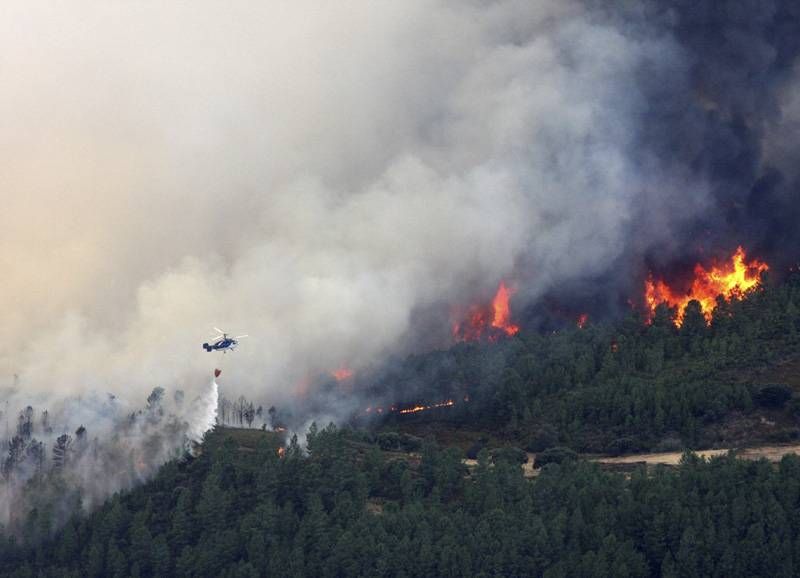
{"x":222,"y":344}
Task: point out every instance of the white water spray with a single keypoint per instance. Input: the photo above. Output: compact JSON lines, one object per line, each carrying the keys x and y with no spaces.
{"x":204,"y":413}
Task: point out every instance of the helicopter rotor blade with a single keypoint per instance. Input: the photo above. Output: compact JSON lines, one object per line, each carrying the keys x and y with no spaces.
{"x":218,"y":330}
{"x":240,"y":336}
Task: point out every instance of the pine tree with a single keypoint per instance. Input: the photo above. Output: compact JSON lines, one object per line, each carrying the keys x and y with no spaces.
{"x":161,"y":558}
{"x":95,"y":564}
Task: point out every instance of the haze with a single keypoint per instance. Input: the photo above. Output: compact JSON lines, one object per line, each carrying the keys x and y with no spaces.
{"x":315,"y":176}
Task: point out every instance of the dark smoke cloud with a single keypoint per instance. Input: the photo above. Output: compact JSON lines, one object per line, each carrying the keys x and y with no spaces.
{"x":717,"y":115}
{"x":332,"y":182}
{"x":718,"y":133}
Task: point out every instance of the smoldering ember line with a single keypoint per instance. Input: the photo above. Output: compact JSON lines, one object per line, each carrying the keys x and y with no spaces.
{"x":411,"y":409}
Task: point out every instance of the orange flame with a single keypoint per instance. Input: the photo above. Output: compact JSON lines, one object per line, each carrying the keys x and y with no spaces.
{"x":729,"y":279}
{"x":483,"y":320}
{"x":583,"y":318}
{"x":342,"y":373}
{"x":281,"y":451}
{"x":414,"y":409}
{"x":419,"y":408}
{"x":502,"y":312}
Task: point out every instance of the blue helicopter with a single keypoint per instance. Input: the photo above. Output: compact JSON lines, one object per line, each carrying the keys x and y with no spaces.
{"x":222,"y":342}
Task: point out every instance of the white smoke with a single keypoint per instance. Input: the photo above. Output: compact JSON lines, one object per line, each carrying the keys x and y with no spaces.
{"x":311,"y":175}
{"x":49,"y":465}
{"x":204,"y":414}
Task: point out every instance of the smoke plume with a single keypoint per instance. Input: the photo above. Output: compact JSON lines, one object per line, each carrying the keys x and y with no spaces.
{"x":49,"y":469}
{"x":330,"y":180}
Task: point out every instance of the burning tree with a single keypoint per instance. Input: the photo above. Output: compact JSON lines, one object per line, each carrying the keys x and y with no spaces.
{"x":731,"y":279}
{"x":490,"y":321}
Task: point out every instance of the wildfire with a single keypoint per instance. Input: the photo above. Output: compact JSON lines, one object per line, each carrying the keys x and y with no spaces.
{"x":414,"y":409}
{"x":302,"y":386}
{"x":342,"y":373}
{"x":419,"y":408}
{"x":488,"y":320}
{"x":583,"y":319}
{"x":730,"y":279}
{"x":281,"y":451}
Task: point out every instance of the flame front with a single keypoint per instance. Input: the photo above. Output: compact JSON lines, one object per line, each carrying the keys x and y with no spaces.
{"x":488,"y":320}
{"x":502,"y":312}
{"x":419,"y":408}
{"x":413,"y":409}
{"x":730,"y":279}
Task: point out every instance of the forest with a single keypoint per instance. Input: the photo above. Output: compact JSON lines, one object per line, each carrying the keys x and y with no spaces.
{"x":370,"y":498}
{"x":346,"y":509}
{"x":619,"y":386}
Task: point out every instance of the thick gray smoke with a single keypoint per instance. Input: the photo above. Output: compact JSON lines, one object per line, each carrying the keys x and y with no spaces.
{"x":51,"y":469}
{"x":330,"y":178}
{"x":309,"y":176}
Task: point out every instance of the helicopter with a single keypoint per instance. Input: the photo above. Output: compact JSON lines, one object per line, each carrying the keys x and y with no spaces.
{"x":222,"y":342}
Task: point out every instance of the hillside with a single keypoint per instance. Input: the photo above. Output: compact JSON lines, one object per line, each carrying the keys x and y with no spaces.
{"x":426,"y":288}
{"x":240,"y":510}
{"x":620,"y":387}
{"x":396,"y":497}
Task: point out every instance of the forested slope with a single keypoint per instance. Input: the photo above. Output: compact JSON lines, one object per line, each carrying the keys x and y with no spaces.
{"x":628,"y":385}
{"x":339,"y":512}
{"x":363,"y":502}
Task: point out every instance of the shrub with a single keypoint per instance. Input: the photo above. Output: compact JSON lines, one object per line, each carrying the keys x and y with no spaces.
{"x":624,"y":445}
{"x":398,"y":441}
{"x":475,"y":449}
{"x":410,"y":443}
{"x":388,"y":440}
{"x":557,"y":455}
{"x":774,"y":396}
{"x":545,"y":437}
{"x":510,"y":454}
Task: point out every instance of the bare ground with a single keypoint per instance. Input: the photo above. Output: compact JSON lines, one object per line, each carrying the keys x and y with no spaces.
{"x":771,"y":453}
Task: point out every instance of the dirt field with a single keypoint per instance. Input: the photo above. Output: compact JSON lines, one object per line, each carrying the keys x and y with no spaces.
{"x":527,"y":468}
{"x":772,"y":453}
